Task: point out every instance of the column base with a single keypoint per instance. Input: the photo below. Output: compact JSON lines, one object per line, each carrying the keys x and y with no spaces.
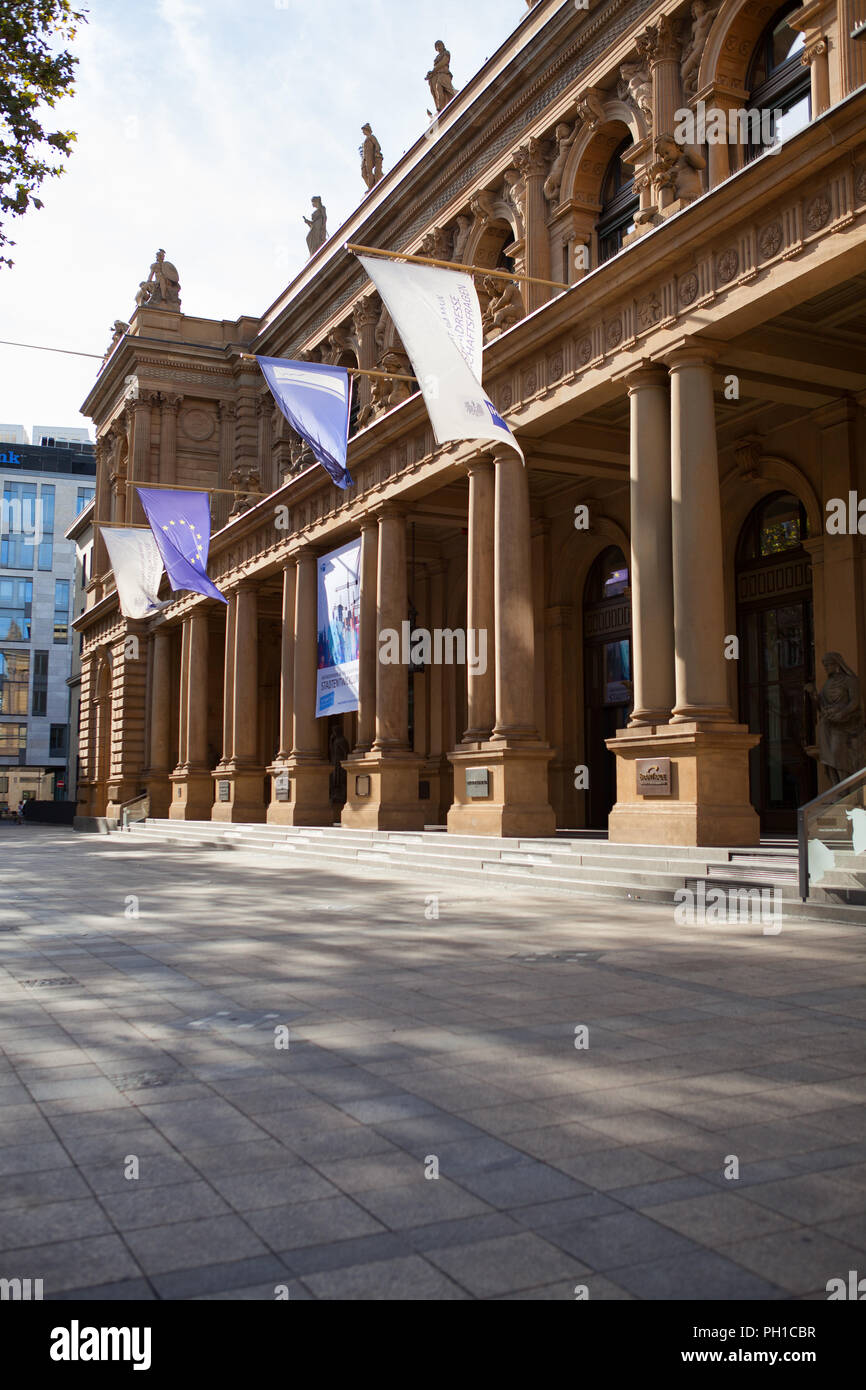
{"x":245,"y":800}
{"x":391,"y":783}
{"x":517,"y":803}
{"x":159,"y":790}
{"x":708,"y":802}
{"x":191,"y":794}
{"x":309,"y":794}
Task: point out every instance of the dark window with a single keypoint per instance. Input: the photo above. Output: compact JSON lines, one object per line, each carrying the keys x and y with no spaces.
{"x":14,"y":681}
{"x":18,"y":518}
{"x":40,"y":683}
{"x":57,"y":742}
{"x":778,"y":83}
{"x":619,"y":203}
{"x":778,"y":523}
{"x":16,"y":603}
{"x":608,"y":576}
{"x":61,"y":610}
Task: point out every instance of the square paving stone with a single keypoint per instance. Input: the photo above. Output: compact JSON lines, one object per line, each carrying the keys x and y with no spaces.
{"x":346,"y":1254}
{"x":406,"y":1278}
{"x":612,"y":1168}
{"x":52,"y":1221}
{"x":621,"y":1238}
{"x":138,"y":1207}
{"x":421,"y":1203}
{"x":72,"y":1264}
{"x":312,"y":1223}
{"x":222,"y":1277}
{"x":799,"y":1261}
{"x":275,"y":1187}
{"x":702,"y":1275}
{"x":522,"y":1184}
{"x":809,"y":1199}
{"x":719,"y":1218}
{"x":190,"y":1244}
{"x":32,"y":1158}
{"x":382,"y":1109}
{"x":492,"y":1267}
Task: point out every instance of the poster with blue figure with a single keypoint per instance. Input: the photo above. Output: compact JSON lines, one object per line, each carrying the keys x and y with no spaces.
{"x":339,"y":623}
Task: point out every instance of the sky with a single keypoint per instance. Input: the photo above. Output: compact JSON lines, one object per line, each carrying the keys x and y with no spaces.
{"x":205,"y":127}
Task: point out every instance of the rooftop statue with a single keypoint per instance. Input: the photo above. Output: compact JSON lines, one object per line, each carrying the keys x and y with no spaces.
{"x":371,"y":158}
{"x":318,"y":225}
{"x":163,"y":285}
{"x":439,"y":77}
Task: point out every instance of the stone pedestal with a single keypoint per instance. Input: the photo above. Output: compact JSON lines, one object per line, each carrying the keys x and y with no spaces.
{"x":709,"y":786}
{"x":245,"y":803}
{"x":382,"y":792}
{"x":517,"y":799}
{"x":309,"y":800}
{"x":192,"y":794}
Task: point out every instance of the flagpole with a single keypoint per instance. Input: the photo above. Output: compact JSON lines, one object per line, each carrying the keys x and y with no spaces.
{"x":179,"y":487}
{"x":455,"y":265}
{"x":353,"y":371}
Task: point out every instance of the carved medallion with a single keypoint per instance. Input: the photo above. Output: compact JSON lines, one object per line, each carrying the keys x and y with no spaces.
{"x":688,"y":288}
{"x":860,"y":185}
{"x":584,"y":351}
{"x":507,"y":398}
{"x":197,"y":424}
{"x":531,"y":385}
{"x":556,"y":367}
{"x":613,"y":334}
{"x":818,"y":213}
{"x":727,"y":265}
{"x":649,"y":311}
{"x":770,"y":240}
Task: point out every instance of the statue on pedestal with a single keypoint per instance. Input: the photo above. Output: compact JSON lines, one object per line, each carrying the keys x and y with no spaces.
{"x":439,"y":77}
{"x":371,"y":157}
{"x":318,"y":225}
{"x":164,"y":284}
{"x":504,"y":308}
{"x":339,"y":750}
{"x":839,"y":707}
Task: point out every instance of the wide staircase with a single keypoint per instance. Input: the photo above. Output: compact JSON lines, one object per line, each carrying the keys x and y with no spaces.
{"x":577,"y":864}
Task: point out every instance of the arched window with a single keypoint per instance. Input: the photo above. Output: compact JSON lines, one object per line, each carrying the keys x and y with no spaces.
{"x":777,"y":82}
{"x":608,"y":577}
{"x":776,"y":524}
{"x":619,"y":203}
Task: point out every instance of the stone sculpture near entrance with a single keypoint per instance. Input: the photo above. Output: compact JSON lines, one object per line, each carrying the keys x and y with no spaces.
{"x":439,"y":77}
{"x":839,"y":707}
{"x":161,"y":289}
{"x":338,"y":750}
{"x":371,"y":157}
{"x":318,"y":225}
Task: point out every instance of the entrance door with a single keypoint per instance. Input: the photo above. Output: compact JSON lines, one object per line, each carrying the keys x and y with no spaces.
{"x":777,"y":658}
{"x":608,"y":693}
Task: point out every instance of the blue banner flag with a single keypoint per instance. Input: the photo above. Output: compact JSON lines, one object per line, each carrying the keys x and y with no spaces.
{"x":316,"y":400}
{"x":180,"y":522}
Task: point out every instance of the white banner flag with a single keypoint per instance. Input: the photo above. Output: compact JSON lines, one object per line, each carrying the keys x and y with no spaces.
{"x":138,"y":568}
{"x":438,"y":317}
{"x":339,"y":609}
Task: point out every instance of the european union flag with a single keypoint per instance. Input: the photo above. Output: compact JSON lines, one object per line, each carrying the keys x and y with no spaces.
{"x":180,"y":522}
{"x":316,"y":400}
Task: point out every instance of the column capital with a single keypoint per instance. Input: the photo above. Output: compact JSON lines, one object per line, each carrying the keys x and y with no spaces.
{"x":643,"y":374}
{"x":692,"y":352}
{"x":502,"y":453}
{"x":368,"y":522}
{"x":479,"y":463}
{"x":388,"y":511}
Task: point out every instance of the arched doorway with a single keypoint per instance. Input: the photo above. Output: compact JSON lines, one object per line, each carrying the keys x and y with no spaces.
{"x":608,"y":693}
{"x":777,"y":657}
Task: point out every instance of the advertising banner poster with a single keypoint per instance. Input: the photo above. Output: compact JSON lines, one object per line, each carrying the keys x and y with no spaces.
{"x":339,"y":584}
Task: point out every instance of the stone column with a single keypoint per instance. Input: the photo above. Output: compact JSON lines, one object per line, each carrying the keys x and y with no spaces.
{"x":392,"y":607}
{"x":815,"y":57}
{"x":481,"y":686}
{"x":368,"y":645}
{"x":661,"y":46}
{"x":699,"y":604}
{"x":192,"y":782}
{"x":168,"y":438}
{"x":533,"y":169}
{"x":514,"y":627}
{"x":382,"y":786}
{"x":516,"y":800}
{"x":309,"y":774}
{"x":139,"y":456}
{"x":852,"y":52}
{"x":701,"y":751}
{"x":720,"y":164}
{"x":277,"y":811}
{"x":239,"y":780}
{"x":159,"y":750}
{"x":651,"y":562}
{"x":366,"y":316}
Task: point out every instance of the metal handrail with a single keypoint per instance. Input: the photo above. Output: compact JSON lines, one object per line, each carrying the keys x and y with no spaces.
{"x":125,"y":805}
{"x":802,"y":842}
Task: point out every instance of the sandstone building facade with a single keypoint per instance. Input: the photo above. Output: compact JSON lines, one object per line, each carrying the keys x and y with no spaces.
{"x":687,"y":408}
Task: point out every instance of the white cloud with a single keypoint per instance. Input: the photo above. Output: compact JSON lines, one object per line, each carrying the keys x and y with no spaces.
{"x":206,"y":129}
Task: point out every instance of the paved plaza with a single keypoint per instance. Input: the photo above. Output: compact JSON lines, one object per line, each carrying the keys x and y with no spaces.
{"x":225,"y":1076}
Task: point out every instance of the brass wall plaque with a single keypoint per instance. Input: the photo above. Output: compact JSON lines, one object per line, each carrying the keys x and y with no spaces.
{"x":653,"y":776}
